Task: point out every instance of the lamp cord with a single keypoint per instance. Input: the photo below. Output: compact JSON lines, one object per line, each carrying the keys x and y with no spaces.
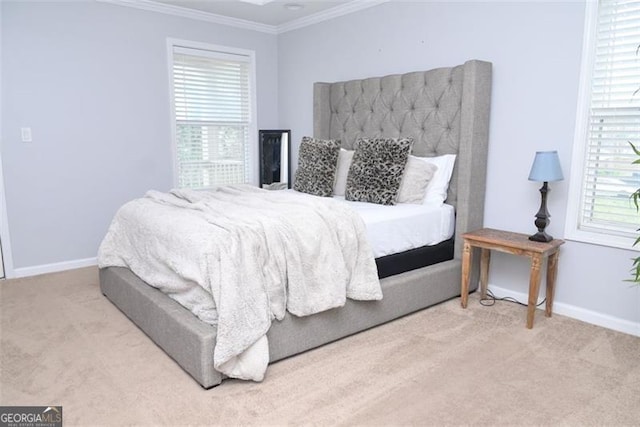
{"x":491,"y":299}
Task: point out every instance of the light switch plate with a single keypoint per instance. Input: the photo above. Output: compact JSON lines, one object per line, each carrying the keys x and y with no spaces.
{"x":26,"y":134}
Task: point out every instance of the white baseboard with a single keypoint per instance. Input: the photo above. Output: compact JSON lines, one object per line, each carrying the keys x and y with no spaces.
{"x":589,"y":316}
{"x":52,"y":268}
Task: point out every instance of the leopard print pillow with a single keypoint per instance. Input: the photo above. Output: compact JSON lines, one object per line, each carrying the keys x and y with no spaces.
{"x":377,"y":168}
{"x":317,"y":163}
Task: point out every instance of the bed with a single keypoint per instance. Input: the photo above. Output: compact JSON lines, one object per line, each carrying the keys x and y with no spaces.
{"x":452,"y":107}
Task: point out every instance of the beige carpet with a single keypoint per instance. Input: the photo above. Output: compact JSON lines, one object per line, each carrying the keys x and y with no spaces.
{"x":63,"y":343}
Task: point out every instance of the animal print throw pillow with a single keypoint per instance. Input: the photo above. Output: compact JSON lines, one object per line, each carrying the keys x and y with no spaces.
{"x":377,"y":169}
{"x":317,"y":162}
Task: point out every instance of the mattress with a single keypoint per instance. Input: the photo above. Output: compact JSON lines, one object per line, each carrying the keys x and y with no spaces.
{"x":405,"y":226}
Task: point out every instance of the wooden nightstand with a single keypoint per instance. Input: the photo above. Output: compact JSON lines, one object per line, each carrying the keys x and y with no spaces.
{"x":488,"y":239}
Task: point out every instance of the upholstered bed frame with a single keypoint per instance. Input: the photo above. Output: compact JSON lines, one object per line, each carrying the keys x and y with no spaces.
{"x":446,"y":111}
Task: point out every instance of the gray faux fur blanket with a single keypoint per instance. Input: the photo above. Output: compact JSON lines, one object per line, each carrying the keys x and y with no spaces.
{"x":239,"y":256}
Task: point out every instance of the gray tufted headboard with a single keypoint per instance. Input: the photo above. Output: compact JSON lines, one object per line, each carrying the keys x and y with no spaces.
{"x":445,"y":111}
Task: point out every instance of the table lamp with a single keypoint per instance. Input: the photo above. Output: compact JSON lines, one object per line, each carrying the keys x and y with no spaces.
{"x":545,"y":168}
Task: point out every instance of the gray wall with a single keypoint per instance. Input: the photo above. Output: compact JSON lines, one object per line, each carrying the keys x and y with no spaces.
{"x":535,"y":48}
{"x":91,"y":80}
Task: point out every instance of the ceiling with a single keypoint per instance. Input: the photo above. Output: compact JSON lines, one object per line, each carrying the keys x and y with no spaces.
{"x":269,"y":12}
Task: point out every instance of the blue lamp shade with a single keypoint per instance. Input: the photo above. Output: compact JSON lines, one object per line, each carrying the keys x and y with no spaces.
{"x":546,"y":167}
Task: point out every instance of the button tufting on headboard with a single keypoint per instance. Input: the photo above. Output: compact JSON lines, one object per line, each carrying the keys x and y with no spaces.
{"x":421,"y":105}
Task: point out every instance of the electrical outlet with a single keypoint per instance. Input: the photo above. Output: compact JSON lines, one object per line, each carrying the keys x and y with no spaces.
{"x":26,"y":134}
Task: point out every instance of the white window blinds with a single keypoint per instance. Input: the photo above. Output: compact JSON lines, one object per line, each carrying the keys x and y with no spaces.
{"x":212,"y":106}
{"x":613,"y":122}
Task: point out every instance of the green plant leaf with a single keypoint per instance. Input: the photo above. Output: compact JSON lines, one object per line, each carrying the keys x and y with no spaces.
{"x":635,"y":266}
{"x":635,"y":271}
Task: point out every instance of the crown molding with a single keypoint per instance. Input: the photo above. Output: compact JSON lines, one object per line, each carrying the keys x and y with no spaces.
{"x":258,"y":2}
{"x":194,"y":14}
{"x":334,"y":12}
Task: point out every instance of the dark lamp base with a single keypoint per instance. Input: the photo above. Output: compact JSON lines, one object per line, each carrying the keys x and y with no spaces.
{"x":541,"y":236}
{"x":542,"y":217}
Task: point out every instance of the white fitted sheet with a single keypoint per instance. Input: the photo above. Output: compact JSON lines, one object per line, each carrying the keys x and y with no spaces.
{"x":405,"y":226}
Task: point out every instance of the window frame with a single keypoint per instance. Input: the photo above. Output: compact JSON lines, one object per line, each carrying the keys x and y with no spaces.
{"x":253,"y":121}
{"x":580,"y":146}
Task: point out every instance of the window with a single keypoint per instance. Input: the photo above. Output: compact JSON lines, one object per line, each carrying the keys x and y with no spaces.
{"x":213,"y":114}
{"x":603,"y":176}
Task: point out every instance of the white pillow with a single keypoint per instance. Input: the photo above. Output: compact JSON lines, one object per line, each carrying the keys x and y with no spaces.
{"x":342,"y":171}
{"x":437,"y":189}
{"x":416,"y":178}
